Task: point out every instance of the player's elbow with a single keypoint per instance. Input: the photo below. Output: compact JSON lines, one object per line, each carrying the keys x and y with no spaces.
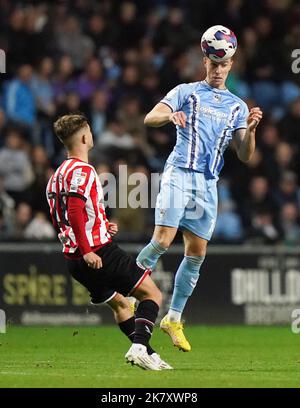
{"x":152,"y":120}
{"x":148,"y":120}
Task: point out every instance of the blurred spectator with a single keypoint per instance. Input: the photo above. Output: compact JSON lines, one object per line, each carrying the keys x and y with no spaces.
{"x":72,"y":103}
{"x":258,"y":204}
{"x":41,"y":86}
{"x":129,"y":29}
{"x":284,"y":156}
{"x":2,"y":125}
{"x":129,"y":83}
{"x":116,"y":137}
{"x":241,"y":174}
{"x":131,"y":117}
{"x":161,"y":144}
{"x":263,"y":229}
{"x":270,"y":138}
{"x":7,"y":213}
{"x":235,"y":82}
{"x":284,"y":160}
{"x":289,"y":222}
{"x":63,"y":82}
{"x":15,"y":167}
{"x":71,"y":41}
{"x":98,"y":31}
{"x":23,"y":218}
{"x":98,"y":114}
{"x":290,"y":124}
{"x":150,"y":92}
{"x":17,"y":47}
{"x":174,"y":32}
{"x":19,"y":100}
{"x":41,"y":168}
{"x":91,"y":80}
{"x":39,"y":228}
{"x":287,"y":191}
{"x":228,"y":226}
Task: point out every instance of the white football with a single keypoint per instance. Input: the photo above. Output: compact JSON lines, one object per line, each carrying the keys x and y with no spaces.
{"x":218,"y":43}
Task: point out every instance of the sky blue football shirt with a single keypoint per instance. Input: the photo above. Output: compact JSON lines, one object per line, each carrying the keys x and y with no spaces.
{"x":212,"y":117}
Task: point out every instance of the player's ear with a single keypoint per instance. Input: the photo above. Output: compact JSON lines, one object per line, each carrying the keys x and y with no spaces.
{"x":84,"y":139}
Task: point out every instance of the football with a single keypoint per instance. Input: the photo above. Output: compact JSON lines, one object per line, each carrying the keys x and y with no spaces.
{"x":218,"y":43}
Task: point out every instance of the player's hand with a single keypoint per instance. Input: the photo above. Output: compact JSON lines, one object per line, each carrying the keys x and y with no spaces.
{"x":93,"y":260}
{"x":178,"y":118}
{"x":254,"y":118}
{"x":112,"y":228}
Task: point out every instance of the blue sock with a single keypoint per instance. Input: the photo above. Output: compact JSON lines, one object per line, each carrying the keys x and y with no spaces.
{"x":185,"y":281}
{"x":149,"y":255}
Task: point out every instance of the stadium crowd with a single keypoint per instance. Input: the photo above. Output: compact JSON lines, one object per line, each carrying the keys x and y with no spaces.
{"x":114,"y":60}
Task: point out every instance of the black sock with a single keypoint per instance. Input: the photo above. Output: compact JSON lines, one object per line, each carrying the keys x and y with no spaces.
{"x":145,"y":317}
{"x":128,"y":328}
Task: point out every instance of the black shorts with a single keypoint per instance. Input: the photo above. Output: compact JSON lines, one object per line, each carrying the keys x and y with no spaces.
{"x":119,"y":274}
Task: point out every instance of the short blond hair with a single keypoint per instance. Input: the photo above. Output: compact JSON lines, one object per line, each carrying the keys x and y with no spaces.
{"x":66,"y":126}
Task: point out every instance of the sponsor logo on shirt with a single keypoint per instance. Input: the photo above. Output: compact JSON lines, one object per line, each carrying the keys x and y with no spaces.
{"x":220,"y":116}
{"x":78,"y":179}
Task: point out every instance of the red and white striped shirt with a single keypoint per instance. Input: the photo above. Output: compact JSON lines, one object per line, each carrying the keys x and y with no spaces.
{"x":76,"y":178}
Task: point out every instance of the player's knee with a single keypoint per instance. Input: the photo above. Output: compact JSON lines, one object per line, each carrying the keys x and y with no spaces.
{"x":163,"y":240}
{"x":201,"y":252}
{"x":194,"y":246}
{"x":193,"y":249}
{"x":164,"y":237}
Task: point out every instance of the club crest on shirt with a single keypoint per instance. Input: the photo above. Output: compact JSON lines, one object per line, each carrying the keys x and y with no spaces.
{"x":162,"y":212}
{"x":217,"y":98}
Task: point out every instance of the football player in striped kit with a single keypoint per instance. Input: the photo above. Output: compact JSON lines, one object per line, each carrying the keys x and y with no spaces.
{"x":75,"y":198}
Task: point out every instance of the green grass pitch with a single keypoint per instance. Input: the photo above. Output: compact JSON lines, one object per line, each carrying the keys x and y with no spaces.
{"x":94,"y":357}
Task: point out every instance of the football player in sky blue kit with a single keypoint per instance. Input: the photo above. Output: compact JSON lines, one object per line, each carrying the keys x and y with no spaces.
{"x":207,"y":117}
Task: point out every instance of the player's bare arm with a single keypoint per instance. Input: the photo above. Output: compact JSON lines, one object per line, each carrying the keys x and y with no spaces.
{"x":162,"y":114}
{"x":244,"y":139}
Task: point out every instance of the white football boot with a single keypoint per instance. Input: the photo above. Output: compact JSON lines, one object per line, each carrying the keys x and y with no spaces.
{"x":137,"y":355}
{"x":163,"y":365}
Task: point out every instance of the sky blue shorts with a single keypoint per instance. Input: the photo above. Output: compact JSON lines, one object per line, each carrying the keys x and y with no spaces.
{"x":187,"y":200}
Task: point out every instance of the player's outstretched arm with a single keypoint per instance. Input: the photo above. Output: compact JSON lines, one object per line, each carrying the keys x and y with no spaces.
{"x":244,"y":139}
{"x":162,"y":114}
